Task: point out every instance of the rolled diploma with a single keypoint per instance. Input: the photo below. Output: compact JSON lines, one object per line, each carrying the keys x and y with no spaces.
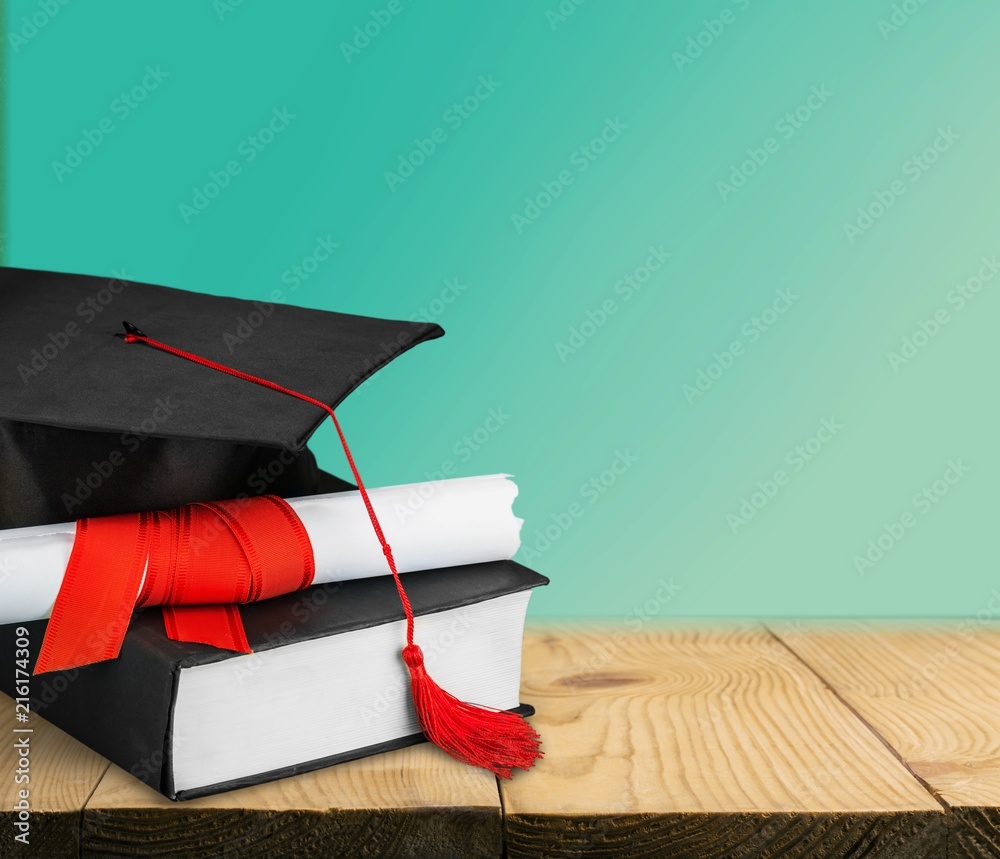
{"x":443,"y":523}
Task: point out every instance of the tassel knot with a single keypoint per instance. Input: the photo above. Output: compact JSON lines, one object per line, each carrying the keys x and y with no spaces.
{"x":413,"y":656}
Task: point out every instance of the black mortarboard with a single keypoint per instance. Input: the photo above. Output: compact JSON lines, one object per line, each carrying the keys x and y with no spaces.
{"x":91,"y":427}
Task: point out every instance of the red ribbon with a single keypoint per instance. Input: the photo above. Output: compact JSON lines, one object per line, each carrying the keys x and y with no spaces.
{"x":203,"y":559}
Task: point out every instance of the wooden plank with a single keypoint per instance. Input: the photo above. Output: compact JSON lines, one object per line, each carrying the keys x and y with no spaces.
{"x":411,"y":802}
{"x":703,"y":743}
{"x":933,"y":693}
{"x":62,"y":774}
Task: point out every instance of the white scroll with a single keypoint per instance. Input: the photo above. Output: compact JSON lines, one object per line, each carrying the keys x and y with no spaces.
{"x":443,"y":523}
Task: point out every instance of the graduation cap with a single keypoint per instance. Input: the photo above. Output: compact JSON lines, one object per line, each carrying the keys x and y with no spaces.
{"x":181,"y":404}
{"x":91,"y":428}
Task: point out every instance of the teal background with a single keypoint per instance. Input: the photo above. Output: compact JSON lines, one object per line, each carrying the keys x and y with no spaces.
{"x":659,"y":538}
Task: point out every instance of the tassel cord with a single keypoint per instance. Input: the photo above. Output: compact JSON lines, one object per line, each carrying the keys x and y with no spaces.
{"x":281,"y":389}
{"x":497,"y":740}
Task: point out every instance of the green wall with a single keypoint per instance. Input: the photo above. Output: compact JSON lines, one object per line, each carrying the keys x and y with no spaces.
{"x":719,"y":278}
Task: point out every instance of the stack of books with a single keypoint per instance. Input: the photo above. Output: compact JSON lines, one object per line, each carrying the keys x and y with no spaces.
{"x":91,"y":427}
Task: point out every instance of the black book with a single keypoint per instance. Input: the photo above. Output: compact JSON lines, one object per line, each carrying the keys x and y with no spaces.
{"x":325,"y":683}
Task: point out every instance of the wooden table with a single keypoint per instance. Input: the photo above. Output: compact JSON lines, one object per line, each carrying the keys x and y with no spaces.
{"x":709,"y":740}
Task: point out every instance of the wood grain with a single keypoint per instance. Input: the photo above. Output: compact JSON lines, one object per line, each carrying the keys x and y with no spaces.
{"x":856,"y":741}
{"x":694,"y":743}
{"x":414,"y":802}
{"x":933,"y":693}
{"x":63,"y":773}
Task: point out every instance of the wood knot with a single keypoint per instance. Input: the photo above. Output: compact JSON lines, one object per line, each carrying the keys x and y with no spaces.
{"x":598,"y":680}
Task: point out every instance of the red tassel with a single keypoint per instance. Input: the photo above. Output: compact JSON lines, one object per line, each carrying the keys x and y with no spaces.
{"x":496,"y":740}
